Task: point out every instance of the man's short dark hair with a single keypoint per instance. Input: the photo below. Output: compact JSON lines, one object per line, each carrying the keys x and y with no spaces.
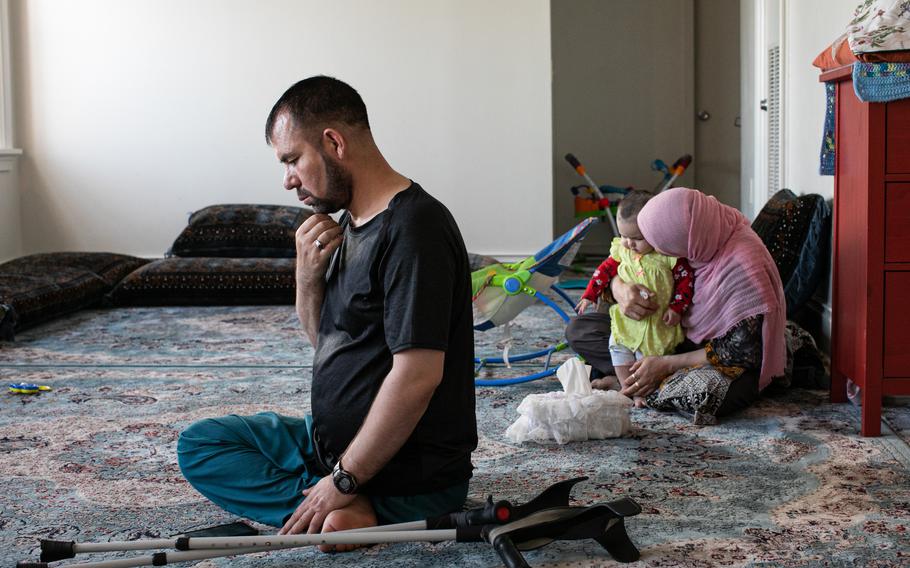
{"x":633,"y":202}
{"x":319,"y":101}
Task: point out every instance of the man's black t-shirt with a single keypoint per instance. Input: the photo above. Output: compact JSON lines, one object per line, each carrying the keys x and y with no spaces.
{"x":398,"y":282}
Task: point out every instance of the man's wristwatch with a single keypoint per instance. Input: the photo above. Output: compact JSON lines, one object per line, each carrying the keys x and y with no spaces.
{"x":343,"y":480}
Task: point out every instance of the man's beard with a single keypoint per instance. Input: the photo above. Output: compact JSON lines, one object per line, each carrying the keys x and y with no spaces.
{"x":339,"y":188}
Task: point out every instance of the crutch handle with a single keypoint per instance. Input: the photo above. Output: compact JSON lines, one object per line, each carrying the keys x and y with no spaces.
{"x":491,"y":513}
{"x":502,"y":512}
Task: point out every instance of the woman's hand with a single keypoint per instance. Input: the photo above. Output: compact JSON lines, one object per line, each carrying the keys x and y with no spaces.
{"x":646,"y":375}
{"x":635,"y":301}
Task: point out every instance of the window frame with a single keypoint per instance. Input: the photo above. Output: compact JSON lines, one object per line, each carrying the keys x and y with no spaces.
{"x":6,"y":88}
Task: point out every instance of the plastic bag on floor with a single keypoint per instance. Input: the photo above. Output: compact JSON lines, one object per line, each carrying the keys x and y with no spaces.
{"x":577,"y":414}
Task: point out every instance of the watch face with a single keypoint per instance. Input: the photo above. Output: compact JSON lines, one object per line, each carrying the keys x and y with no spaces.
{"x":344,"y":482}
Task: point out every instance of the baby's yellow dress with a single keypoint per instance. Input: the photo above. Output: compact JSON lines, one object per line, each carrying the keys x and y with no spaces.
{"x":651,"y":335}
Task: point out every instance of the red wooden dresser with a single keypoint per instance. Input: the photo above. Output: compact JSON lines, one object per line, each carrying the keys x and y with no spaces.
{"x":870,"y":320}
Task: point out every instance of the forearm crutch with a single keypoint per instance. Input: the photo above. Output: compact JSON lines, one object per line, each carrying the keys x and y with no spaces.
{"x":603,"y":523}
{"x":201,"y":548}
{"x":499,"y":512}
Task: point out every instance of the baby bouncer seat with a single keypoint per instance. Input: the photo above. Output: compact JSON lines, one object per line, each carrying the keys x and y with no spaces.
{"x":502,"y":291}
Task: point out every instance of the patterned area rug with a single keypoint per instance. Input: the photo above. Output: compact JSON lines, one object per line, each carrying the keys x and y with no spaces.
{"x":787,"y":483}
{"x":896,"y":416}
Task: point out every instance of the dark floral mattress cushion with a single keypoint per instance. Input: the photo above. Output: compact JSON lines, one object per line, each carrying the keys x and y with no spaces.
{"x":207,"y":281}
{"x":39,"y":287}
{"x":797,"y":232}
{"x":240,"y":231}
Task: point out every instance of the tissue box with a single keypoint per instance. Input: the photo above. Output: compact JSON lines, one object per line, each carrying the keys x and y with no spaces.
{"x":575,"y":415}
{"x":561,"y":418}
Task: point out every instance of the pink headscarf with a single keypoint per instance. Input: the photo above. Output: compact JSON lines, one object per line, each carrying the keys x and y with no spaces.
{"x":735,"y":277}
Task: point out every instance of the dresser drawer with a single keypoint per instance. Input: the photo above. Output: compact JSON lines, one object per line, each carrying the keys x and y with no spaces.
{"x":896,"y":340}
{"x":897,"y":141}
{"x":897,"y":222}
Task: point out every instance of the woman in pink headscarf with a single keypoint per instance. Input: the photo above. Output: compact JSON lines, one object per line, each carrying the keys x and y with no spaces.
{"x":735,"y":323}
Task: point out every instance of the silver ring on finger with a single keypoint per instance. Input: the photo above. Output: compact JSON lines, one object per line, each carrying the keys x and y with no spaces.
{"x":318,"y":244}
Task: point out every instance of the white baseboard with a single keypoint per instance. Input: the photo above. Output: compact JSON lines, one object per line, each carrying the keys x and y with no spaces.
{"x":505,"y":256}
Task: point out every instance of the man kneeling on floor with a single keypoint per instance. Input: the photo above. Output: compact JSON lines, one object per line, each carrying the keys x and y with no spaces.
{"x":384,"y":296}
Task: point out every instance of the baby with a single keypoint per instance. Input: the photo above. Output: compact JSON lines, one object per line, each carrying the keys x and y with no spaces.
{"x":669,"y":282}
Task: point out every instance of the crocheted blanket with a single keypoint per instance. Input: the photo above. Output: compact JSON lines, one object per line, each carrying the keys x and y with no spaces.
{"x":881,"y":82}
{"x":826,"y":163}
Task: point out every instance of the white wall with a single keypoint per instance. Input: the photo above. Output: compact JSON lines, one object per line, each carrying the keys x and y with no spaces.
{"x":810,"y":26}
{"x":132,"y":114}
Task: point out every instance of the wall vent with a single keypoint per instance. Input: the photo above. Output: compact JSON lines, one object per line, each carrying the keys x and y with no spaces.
{"x":774,"y":120}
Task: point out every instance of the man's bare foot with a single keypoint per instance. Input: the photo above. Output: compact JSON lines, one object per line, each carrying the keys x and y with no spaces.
{"x":357,"y":515}
{"x":606,"y":383}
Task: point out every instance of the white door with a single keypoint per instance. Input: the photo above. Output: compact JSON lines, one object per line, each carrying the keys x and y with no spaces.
{"x":717,"y":99}
{"x":763,"y":73}
{"x":623,"y":95}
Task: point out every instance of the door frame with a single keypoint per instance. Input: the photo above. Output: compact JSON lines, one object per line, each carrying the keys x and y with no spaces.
{"x":762,"y":25}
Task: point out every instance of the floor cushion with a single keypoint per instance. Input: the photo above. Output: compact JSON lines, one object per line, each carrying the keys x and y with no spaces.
{"x":216,"y":281}
{"x":207,"y":281}
{"x":39,"y":287}
{"x":240,"y":231}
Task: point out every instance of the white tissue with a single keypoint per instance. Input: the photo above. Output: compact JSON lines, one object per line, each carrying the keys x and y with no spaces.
{"x":577,"y":414}
{"x":574,"y":376}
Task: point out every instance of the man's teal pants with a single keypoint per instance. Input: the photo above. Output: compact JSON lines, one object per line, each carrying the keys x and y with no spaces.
{"x":256,"y":467}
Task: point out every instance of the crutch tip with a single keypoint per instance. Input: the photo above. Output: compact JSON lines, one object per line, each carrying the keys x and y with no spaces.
{"x":53,"y":550}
